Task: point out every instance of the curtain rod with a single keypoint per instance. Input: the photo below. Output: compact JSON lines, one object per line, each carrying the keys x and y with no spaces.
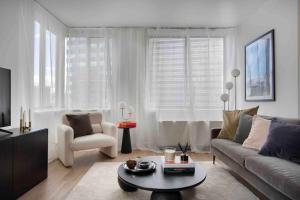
{"x":156,"y":27}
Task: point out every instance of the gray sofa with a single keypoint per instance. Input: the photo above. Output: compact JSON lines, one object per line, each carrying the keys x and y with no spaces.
{"x":273,"y":177}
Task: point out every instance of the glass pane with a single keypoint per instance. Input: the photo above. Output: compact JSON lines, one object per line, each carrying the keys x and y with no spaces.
{"x":50,"y":65}
{"x":36,"y":68}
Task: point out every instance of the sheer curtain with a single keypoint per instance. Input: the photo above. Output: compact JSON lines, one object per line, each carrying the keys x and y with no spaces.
{"x":186,"y":71}
{"x":87,"y":85}
{"x":148,"y":69}
{"x":128,"y":66}
{"x":47,"y":73}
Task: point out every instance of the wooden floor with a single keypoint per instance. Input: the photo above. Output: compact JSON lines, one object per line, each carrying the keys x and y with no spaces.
{"x":61,"y":180}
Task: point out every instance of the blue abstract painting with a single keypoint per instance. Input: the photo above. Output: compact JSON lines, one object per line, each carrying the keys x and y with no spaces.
{"x":260,"y":75}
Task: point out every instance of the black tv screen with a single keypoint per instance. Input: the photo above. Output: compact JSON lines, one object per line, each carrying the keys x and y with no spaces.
{"x":5,"y":101}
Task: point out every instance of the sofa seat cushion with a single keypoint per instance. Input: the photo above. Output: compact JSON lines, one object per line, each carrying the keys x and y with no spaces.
{"x":93,"y":141}
{"x":281,"y":174}
{"x":233,"y":150}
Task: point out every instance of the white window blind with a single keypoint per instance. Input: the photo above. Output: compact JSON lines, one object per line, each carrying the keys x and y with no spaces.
{"x":167,"y":72}
{"x":185,"y":72}
{"x":86,"y":73}
{"x":206,"y":63}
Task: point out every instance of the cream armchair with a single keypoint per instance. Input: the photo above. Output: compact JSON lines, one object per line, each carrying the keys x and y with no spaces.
{"x":104,"y":137}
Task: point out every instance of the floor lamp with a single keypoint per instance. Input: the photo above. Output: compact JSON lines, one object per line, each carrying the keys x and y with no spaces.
{"x":229,"y":86}
{"x":224,"y":97}
{"x":235,"y":73}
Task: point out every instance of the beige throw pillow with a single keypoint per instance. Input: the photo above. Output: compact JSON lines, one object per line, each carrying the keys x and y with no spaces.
{"x":231,"y":121}
{"x":258,"y":133}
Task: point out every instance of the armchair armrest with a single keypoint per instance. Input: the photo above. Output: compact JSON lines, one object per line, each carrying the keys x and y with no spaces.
{"x":110,"y":129}
{"x":65,"y":134}
{"x":215,"y":132}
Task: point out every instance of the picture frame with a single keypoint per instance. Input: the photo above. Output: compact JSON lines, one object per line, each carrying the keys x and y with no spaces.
{"x":260,"y":68}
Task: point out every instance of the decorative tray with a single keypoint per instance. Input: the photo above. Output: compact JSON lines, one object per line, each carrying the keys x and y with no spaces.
{"x":137,"y":170}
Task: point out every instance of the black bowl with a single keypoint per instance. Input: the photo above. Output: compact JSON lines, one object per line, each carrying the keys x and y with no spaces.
{"x":144,"y":165}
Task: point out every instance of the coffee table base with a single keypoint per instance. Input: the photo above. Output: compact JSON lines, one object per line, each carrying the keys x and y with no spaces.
{"x":166,"y":195}
{"x":124,"y":186}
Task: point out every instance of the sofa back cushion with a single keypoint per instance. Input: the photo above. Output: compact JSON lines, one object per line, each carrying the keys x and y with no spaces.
{"x":283,"y":142}
{"x":258,"y":133}
{"x":81,"y":124}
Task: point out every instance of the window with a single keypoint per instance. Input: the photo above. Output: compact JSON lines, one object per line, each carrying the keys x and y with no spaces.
{"x":185,"y":72}
{"x":50,"y":66}
{"x":44,"y":72}
{"x":86,"y":74}
{"x":36,"y":70}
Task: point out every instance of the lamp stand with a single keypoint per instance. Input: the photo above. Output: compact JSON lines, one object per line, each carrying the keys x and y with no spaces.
{"x":235,"y":93}
{"x":228,"y":100}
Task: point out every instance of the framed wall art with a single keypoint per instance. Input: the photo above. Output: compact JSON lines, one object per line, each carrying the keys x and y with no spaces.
{"x":260,"y":68}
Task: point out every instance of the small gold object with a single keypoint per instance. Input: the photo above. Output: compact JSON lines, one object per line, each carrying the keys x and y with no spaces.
{"x":23,"y":127}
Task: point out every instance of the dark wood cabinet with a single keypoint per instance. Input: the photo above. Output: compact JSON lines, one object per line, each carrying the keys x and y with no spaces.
{"x":6,"y":166}
{"x":23,"y":162}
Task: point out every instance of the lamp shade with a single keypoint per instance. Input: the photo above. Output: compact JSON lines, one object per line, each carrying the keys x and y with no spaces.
{"x":224,"y":97}
{"x":235,"y":72}
{"x":130,"y":109}
{"x":229,"y":85}
{"x":122,"y":104}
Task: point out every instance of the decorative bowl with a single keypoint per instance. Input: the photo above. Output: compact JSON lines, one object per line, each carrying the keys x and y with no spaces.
{"x":137,"y":170}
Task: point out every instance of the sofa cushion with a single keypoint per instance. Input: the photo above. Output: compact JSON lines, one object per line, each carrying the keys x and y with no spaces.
{"x":96,"y":121}
{"x":243,"y":130}
{"x":258,"y":133}
{"x":283,"y":142}
{"x":231,"y":122}
{"x":96,"y":140}
{"x":233,"y":150}
{"x":281,"y":174}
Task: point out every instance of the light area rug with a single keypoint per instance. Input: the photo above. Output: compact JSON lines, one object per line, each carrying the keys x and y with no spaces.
{"x":101,"y":183}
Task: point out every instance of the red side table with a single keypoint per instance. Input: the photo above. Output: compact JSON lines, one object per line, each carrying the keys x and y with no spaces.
{"x":126,"y":141}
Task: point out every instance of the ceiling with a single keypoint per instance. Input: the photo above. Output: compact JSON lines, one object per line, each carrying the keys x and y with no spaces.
{"x":157,"y":13}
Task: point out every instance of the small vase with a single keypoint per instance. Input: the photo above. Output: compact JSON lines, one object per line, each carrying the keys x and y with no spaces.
{"x":184,"y":157}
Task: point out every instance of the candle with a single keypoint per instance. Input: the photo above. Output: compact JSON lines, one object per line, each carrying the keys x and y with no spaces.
{"x":21,"y":112}
{"x":24,"y":119}
{"x":170,"y":154}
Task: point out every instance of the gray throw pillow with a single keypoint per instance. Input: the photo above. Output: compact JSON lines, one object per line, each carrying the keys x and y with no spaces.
{"x":243,"y":130}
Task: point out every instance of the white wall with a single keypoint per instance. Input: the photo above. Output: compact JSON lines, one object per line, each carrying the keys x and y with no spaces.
{"x":9,"y":30}
{"x":281,"y":16}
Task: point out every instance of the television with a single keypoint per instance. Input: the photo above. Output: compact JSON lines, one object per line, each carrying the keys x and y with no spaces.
{"x":5,"y":98}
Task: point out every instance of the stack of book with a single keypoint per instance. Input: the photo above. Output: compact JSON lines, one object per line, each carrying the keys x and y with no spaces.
{"x":178,"y":167}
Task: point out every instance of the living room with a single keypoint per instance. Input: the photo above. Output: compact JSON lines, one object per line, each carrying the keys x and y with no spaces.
{"x":140,"y":99}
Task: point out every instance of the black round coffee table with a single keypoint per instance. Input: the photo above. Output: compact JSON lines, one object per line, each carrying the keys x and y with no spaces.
{"x":163,"y":187}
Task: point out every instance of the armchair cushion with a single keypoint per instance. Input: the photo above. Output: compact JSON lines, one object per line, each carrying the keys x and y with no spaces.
{"x":96,"y":121}
{"x":92,"y":141}
{"x":81,"y":124}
